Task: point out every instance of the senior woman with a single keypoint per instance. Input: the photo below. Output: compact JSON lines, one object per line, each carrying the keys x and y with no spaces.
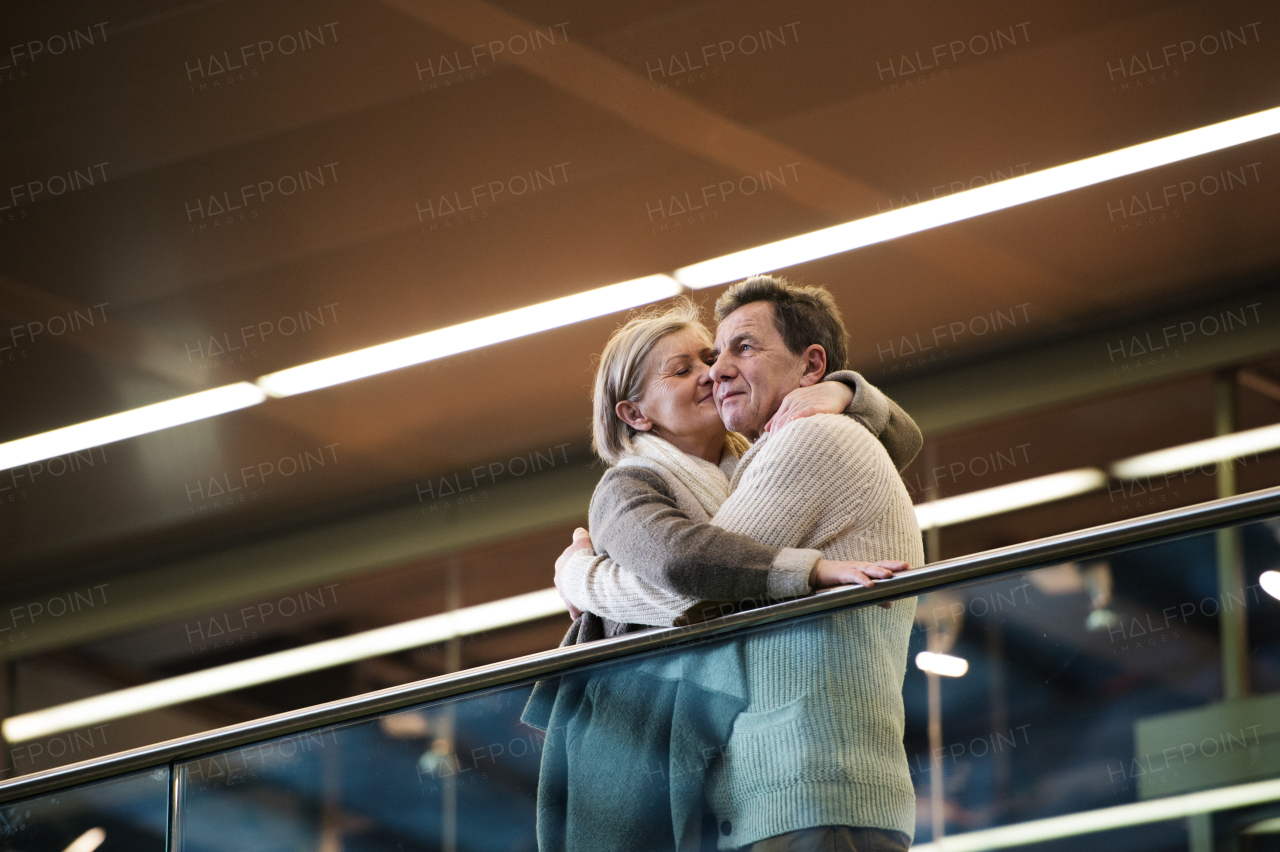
{"x":625,"y":755}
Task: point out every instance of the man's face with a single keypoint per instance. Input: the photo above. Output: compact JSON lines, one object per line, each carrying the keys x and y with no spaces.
{"x":754,"y":369}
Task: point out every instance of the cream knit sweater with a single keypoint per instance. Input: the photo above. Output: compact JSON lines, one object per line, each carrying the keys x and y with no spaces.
{"x":821,"y":740}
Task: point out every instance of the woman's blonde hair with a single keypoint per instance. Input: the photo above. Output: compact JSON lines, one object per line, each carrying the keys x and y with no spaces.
{"x":621,"y":372}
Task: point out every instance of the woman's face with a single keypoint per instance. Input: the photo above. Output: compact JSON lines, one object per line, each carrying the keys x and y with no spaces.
{"x":678,"y":395}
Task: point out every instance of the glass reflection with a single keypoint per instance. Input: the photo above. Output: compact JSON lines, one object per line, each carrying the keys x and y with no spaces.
{"x":127,"y":814}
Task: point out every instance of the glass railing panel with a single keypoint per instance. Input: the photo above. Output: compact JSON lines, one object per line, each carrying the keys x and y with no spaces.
{"x":1093,"y":692}
{"x":125,"y":814}
{"x":453,"y":774}
{"x":1107,"y":682}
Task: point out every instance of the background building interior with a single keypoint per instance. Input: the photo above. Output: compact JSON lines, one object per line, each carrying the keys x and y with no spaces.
{"x":200,"y":194}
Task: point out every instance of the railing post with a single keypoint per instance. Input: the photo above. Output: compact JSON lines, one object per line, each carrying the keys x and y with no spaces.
{"x":8,"y":704}
{"x":1200,"y":833}
{"x":1233,"y":620}
{"x":453,"y":663}
{"x":937,"y":785}
{"x":997,"y":696}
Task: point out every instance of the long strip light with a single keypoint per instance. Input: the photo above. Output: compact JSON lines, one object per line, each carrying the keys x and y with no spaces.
{"x":1266,"y":826}
{"x":466,"y":336}
{"x":321,"y":655}
{"x":1006,"y":498}
{"x":1209,"y":451}
{"x":431,"y":345}
{"x":129,"y":424}
{"x":1107,"y":819}
{"x":976,"y":202}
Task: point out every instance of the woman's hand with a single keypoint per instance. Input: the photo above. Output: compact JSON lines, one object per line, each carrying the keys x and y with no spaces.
{"x":827,"y":573}
{"x":822,"y":398}
{"x":581,"y":541}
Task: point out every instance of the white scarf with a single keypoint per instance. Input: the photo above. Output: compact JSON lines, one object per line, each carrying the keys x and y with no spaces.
{"x":706,"y":482}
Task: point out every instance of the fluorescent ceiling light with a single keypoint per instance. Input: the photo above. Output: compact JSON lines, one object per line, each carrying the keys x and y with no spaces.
{"x":1270,"y":582}
{"x":1106,"y":819}
{"x":977,"y":202}
{"x":1006,"y":498}
{"x":88,"y":841}
{"x":1266,"y":826}
{"x":942,"y":664}
{"x":1210,"y":450}
{"x":129,"y":424}
{"x":320,"y":655}
{"x":466,"y":336}
{"x":341,"y":368}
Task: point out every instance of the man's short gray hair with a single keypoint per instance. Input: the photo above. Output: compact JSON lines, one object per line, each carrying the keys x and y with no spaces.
{"x":803,"y":315}
{"x":621,"y":372}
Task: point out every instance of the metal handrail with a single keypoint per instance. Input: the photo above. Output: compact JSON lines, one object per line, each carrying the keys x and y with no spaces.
{"x":1092,"y":541}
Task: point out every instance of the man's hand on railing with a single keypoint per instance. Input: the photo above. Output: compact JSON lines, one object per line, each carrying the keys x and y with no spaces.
{"x":828,"y":573}
{"x":581,"y":541}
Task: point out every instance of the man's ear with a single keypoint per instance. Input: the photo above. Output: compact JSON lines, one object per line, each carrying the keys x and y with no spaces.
{"x":631,"y":414}
{"x":814,"y":361}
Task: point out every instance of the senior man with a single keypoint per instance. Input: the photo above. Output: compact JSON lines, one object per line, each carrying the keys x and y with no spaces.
{"x":816,"y":760}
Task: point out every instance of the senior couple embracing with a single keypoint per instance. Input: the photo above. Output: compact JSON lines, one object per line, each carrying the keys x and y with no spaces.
{"x":746,"y":467}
